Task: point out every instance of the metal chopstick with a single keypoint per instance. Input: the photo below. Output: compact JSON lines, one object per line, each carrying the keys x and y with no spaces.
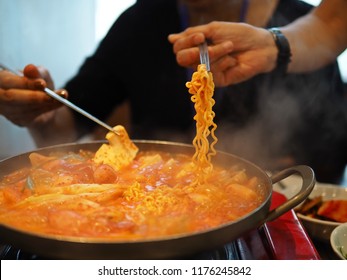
{"x":204,"y":58}
{"x":66,"y":102}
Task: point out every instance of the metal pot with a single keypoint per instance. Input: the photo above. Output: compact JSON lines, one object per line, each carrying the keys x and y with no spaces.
{"x":161,"y":248}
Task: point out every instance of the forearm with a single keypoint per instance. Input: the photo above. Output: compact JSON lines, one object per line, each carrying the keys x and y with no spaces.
{"x":317,"y":38}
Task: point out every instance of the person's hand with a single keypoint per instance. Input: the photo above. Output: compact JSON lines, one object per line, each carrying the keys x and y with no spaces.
{"x":237,"y":51}
{"x":22,"y":99}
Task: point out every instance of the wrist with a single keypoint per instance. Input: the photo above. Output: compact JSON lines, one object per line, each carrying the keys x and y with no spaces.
{"x":284,"y":51}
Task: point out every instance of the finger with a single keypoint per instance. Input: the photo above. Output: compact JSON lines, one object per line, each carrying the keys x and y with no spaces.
{"x":24,"y":113}
{"x":38,"y":72}
{"x":220,"y":50}
{"x":22,"y":108}
{"x":46,"y":76}
{"x":9,"y":80}
{"x":63,"y":93}
{"x":188,"y":42}
{"x":223,"y":64}
{"x":14,"y":112}
{"x":15,"y":109}
{"x":203,"y":28}
{"x":188,"y":57}
{"x":173,"y":38}
{"x":235,"y":75}
{"x":32,"y":97}
{"x":25,"y":97}
{"x":31,"y":71}
{"x":177,"y":36}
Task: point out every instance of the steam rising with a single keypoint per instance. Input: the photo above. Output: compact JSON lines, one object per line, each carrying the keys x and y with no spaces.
{"x":278,"y":122}
{"x":264,"y":138}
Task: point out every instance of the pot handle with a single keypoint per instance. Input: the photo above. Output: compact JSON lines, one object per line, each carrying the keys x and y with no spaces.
{"x":308,"y":182}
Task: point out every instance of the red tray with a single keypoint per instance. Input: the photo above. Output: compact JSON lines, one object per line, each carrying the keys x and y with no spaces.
{"x":282,"y":239}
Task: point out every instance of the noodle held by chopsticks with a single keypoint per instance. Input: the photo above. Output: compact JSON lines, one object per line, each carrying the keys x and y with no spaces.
{"x":202,"y":88}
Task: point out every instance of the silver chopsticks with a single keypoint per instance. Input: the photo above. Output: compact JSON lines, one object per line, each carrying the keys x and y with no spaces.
{"x":66,"y":102}
{"x":204,"y":58}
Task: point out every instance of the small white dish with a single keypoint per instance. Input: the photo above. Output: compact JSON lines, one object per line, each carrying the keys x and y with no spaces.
{"x":338,"y":241}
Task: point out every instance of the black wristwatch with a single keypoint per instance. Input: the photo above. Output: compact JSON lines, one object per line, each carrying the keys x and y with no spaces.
{"x":284,"y":53}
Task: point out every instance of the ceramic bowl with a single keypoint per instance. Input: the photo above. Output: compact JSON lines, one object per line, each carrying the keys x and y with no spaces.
{"x":338,"y":241}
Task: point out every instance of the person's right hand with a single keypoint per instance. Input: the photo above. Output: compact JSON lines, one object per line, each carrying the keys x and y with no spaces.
{"x":22,"y":99}
{"x":238,"y":51}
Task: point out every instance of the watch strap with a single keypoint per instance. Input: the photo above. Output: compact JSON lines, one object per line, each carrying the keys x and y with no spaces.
{"x":284,"y":52}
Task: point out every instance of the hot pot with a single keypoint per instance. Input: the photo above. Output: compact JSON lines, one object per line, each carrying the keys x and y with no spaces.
{"x":177,"y":246}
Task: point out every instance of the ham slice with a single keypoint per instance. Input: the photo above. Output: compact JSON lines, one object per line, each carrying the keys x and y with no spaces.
{"x":334,"y":209}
